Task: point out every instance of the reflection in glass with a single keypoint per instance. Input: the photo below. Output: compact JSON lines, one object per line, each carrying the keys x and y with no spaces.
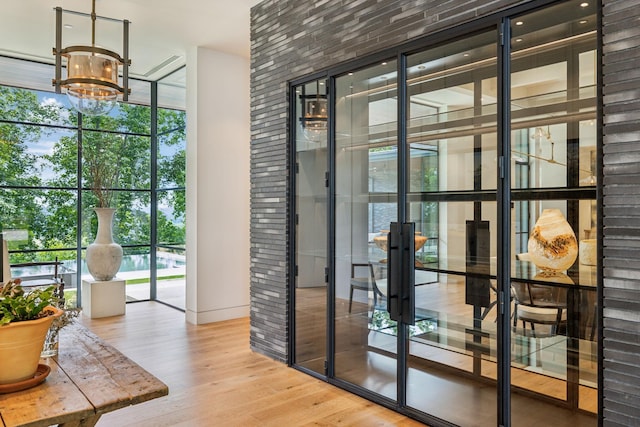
{"x":366,"y":200}
{"x":311,"y":231}
{"x":553,"y":113}
{"x":170,"y":276}
{"x":453,"y":150}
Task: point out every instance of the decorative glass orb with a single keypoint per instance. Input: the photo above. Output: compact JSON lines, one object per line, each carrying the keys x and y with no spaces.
{"x":92,"y":106}
{"x":315,"y":131}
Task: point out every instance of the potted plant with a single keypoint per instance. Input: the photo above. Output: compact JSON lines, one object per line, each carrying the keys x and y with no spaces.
{"x":24,"y":322}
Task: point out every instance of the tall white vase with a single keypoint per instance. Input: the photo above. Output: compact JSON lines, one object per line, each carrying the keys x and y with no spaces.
{"x":104,"y":256}
{"x":552,"y":243}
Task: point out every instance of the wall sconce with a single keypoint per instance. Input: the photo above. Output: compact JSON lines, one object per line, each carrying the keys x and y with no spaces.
{"x":314,"y":114}
{"x":92,"y":72}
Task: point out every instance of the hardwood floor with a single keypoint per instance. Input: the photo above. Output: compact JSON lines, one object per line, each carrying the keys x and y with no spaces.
{"x":366,"y":358}
{"x":215,"y":379}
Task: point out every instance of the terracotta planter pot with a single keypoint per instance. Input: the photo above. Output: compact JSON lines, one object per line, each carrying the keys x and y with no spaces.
{"x":20,"y":347}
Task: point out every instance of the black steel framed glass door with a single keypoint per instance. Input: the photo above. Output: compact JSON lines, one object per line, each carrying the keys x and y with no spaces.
{"x":452,"y":104}
{"x":415,"y":229}
{"x":440,"y":163}
{"x":366,"y":203}
{"x":553,"y":106}
{"x":310,"y":290}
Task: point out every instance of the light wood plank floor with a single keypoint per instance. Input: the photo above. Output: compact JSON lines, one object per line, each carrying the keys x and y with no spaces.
{"x":215,"y":379}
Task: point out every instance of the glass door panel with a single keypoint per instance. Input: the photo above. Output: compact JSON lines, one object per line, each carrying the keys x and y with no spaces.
{"x":366,"y":185}
{"x":554,"y":216}
{"x":451,"y":133}
{"x":447,"y":356}
{"x":311,"y":227}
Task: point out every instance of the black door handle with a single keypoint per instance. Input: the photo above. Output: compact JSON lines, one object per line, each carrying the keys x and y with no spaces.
{"x":401,"y":278}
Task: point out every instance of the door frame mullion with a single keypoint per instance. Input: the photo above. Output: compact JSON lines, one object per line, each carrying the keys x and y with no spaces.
{"x":403,"y":216}
{"x":331,"y":223}
{"x":503,"y":276}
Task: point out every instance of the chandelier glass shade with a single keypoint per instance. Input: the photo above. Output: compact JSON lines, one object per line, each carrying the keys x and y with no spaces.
{"x":91,"y":85}
{"x":314,"y":119}
{"x":314,"y":115}
{"x":92,"y":82}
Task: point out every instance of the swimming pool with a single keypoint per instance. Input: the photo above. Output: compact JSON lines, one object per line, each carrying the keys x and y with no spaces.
{"x":130,"y":263}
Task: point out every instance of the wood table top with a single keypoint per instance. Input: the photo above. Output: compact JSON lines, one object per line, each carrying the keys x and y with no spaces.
{"x":88,"y":378}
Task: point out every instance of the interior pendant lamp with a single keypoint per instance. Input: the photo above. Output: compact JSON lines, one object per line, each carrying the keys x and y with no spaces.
{"x":92,"y":72}
{"x":314,"y":114}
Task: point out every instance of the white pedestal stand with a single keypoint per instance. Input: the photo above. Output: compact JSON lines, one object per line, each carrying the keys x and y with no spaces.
{"x":103,"y":298}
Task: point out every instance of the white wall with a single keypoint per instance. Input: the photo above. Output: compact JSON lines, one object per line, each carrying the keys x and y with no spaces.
{"x":218,"y":156}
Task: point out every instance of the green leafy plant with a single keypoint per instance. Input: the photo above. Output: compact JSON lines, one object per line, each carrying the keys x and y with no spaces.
{"x":16,"y":305}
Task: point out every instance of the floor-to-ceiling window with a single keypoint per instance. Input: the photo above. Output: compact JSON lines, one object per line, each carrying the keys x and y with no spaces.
{"x":48,"y":154}
{"x":170,"y":190}
{"x":468,"y":144}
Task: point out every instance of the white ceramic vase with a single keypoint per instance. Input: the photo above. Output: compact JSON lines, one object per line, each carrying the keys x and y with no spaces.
{"x":104,"y":256}
{"x":552,"y":243}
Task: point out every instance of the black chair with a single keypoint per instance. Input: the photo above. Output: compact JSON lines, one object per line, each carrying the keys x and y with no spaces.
{"x":363,"y":283}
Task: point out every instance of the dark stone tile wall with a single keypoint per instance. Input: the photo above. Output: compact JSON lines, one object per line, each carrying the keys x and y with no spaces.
{"x":290,"y":39}
{"x":621,"y":218}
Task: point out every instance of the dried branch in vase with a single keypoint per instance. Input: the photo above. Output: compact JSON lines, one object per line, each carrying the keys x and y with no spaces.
{"x":102,"y":163}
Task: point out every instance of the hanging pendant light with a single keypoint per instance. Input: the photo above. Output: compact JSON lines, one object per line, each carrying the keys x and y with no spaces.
{"x":314,"y":115}
{"x":92,"y":72}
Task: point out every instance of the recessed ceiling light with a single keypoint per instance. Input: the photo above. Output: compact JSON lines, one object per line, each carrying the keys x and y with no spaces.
{"x":321,"y":83}
{"x":351,"y":74}
{"x":421,"y":67}
{"x":69,"y":26}
{"x":384,"y":63}
{"x":519,"y":23}
{"x":465,"y":55}
{"x":584,"y":4}
{"x":518,"y":40}
{"x":584,"y":21}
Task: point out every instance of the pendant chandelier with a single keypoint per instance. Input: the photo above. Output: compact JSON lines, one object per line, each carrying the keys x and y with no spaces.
{"x":92,"y":72}
{"x":314,"y":115}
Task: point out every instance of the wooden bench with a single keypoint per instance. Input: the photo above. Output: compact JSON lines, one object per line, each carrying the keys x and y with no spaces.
{"x":88,"y":378}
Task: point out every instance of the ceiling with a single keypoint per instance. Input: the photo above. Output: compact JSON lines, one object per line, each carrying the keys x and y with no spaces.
{"x":161,"y":31}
